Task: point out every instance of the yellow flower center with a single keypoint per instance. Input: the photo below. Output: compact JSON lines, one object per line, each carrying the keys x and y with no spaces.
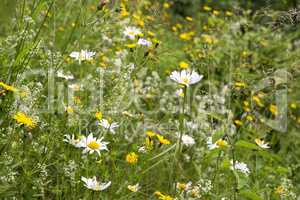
{"x":93,"y":145}
{"x":185,"y":80}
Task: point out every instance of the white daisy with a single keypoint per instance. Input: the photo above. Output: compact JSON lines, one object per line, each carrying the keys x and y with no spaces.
{"x":144,"y":42}
{"x":93,"y":144}
{"x":132,"y":32}
{"x":79,"y":142}
{"x":211,"y":145}
{"x":82,"y":55}
{"x":187,"y":140}
{"x":108,"y":125}
{"x":262,"y":144}
{"x":93,"y":184}
{"x":61,"y":74}
{"x":242,"y":167}
{"x":185,"y":77}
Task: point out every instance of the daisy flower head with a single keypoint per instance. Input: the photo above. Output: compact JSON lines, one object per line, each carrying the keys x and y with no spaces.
{"x":186,"y":77}
{"x":61,"y":74}
{"x":93,"y":184}
{"x":93,"y":144}
{"x":240,"y":166}
{"x":188,"y":140}
{"x":261,"y":143}
{"x":82,"y":55}
{"x":131,"y":32}
{"x":144,"y":42}
{"x":132,"y":158}
{"x":134,"y":188}
{"x":78,"y":143}
{"x":111,"y":126}
{"x":179,"y":92}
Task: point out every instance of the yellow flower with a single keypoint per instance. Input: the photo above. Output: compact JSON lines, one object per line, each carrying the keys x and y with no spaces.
{"x":279,"y":190}
{"x":216,"y":12}
{"x":162,"y":196}
{"x":249,"y":118}
{"x":133,"y":188}
{"x":8,"y":87}
{"x":238,"y":122}
{"x":208,"y":39}
{"x":206,"y":8}
{"x":273,"y":109}
{"x":189,"y":18}
{"x":166,"y":5}
{"x":131,"y":46}
{"x":150,"y":134}
{"x":132,"y":158}
{"x":98,"y":115}
{"x":69,"y":110}
{"x":228,"y":13}
{"x":257,"y":101}
{"x":186,"y":36}
{"x":22,"y":118}
{"x":162,"y":140}
{"x":221,"y":143}
{"x":183,"y":65}
{"x":239,"y":84}
{"x":293,"y":105}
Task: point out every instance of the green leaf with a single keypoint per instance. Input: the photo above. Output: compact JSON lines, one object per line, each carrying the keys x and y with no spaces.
{"x":247,"y":145}
{"x":250,"y":195}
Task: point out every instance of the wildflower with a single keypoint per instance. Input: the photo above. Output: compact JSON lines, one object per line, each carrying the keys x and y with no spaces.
{"x":188,"y":140}
{"x":228,"y":13}
{"x":131,"y":46}
{"x":93,"y":184}
{"x":75,"y":87}
{"x":92,"y":145}
{"x":150,"y":134}
{"x":180,"y":93}
{"x":144,"y":42}
{"x":8,"y":87}
{"x":166,"y":5}
{"x":257,"y":100}
{"x":238,"y":122}
{"x":208,"y":39}
{"x":111,"y":126}
{"x":131,"y":32}
{"x":23,"y":119}
{"x":183,"y":65}
{"x":279,"y":190}
{"x":261,"y":143}
{"x":189,"y":18}
{"x":239,"y":85}
{"x":185,"y":77}
{"x":98,"y":115}
{"x":186,"y":36}
{"x":69,"y":110}
{"x":132,"y":158}
{"x":82,"y":55}
{"x":249,"y":118}
{"x":216,"y":12}
{"x":273,"y":109}
{"x":184,"y":186}
{"x":60,"y":74}
{"x":162,"y":140}
{"x":242,"y":167}
{"x":211,"y":145}
{"x":293,"y":105}
{"x":162,"y":196}
{"x":206,"y":8}
{"x":80,"y":142}
{"x":134,"y":188}
{"x":221,"y":143}
{"x":124,"y":12}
